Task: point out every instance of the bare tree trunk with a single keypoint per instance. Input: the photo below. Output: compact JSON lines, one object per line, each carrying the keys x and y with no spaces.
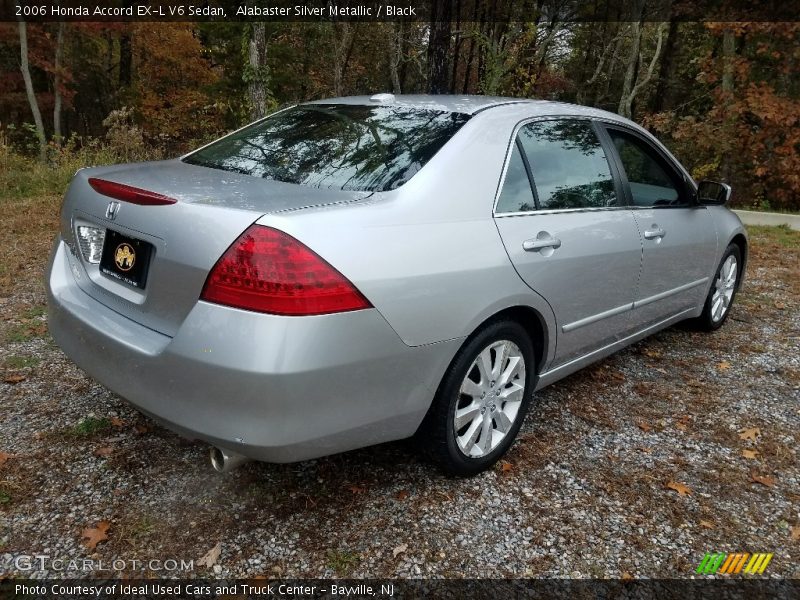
{"x":728,"y":54}
{"x":456,"y":50}
{"x":626,"y":99}
{"x":57,"y":84}
{"x":471,"y":55}
{"x":395,"y":54}
{"x":26,"y":76}
{"x":728,"y":66}
{"x":342,"y":45}
{"x":662,"y":97}
{"x":257,"y":71}
{"x":439,"y":47}
{"x":125,"y":58}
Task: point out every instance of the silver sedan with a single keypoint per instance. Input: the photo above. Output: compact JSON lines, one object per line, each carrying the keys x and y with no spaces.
{"x":357,"y":270}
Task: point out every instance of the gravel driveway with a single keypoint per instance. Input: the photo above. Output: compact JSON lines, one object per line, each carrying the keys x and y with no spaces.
{"x":683,"y":444}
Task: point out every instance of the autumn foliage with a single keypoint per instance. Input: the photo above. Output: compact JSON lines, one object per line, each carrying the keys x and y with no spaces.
{"x":724,"y":97}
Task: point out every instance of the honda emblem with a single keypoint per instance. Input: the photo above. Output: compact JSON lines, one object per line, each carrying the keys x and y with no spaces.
{"x":111,"y":210}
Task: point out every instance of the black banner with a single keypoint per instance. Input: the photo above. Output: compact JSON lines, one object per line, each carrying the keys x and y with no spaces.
{"x":85,"y":589}
{"x":396,"y":10}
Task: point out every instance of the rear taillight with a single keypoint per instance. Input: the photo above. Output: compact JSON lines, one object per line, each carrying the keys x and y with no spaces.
{"x":269,"y":271}
{"x":128,"y":193}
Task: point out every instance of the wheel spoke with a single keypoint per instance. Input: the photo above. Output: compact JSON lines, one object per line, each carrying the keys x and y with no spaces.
{"x":484,"y":364}
{"x":513,"y":393}
{"x":486,"y":434}
{"x":716,"y":306}
{"x":467,"y":414}
{"x":511,"y":370}
{"x":501,"y":353}
{"x":470,"y":388}
{"x":467,"y":441}
{"x":502,"y":421}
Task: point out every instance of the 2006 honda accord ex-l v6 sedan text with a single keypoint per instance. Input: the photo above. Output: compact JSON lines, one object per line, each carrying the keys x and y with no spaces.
{"x":351,"y":271}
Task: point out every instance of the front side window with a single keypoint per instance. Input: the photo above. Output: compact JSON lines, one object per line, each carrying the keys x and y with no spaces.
{"x":568,"y":165}
{"x":339,"y":146}
{"x":649,"y":180}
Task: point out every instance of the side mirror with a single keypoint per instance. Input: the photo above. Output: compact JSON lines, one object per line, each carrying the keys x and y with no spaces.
{"x":713,"y":193}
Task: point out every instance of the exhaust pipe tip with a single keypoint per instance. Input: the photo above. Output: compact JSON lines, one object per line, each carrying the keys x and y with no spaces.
{"x":224,"y":461}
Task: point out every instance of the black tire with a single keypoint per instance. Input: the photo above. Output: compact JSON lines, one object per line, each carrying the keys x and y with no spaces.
{"x":437,"y":435}
{"x":706,"y":322}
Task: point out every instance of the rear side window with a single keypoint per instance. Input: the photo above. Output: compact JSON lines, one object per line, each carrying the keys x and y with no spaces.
{"x":348,"y":147}
{"x":517,"y":195}
{"x":568,"y":165}
{"x":648,"y":176}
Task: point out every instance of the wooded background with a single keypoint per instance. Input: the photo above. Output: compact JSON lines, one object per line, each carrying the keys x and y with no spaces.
{"x":722,"y":96}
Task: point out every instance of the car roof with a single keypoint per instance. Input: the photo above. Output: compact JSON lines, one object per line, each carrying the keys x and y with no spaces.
{"x":469,"y":104}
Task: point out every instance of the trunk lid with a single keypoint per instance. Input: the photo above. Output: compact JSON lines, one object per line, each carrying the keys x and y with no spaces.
{"x":213,"y":208}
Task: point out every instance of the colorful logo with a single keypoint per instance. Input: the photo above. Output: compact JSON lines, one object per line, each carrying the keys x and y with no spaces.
{"x":732,"y":564}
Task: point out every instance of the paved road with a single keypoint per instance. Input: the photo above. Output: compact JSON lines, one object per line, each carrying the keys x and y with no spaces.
{"x":752,"y":217}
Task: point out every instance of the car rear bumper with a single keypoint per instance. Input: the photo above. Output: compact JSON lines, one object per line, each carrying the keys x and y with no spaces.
{"x":279,"y":389}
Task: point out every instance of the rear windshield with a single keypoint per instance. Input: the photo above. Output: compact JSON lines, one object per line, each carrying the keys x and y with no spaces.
{"x":348,"y":147}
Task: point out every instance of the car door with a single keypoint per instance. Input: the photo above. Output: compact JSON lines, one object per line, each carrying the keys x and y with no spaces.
{"x":678,"y":235}
{"x":565,"y":226}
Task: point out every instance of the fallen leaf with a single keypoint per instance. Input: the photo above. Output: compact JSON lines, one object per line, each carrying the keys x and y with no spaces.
{"x":749,"y":434}
{"x":141,"y":429}
{"x":357,"y":489}
{"x":505,"y":466}
{"x":645,"y":449}
{"x":683,"y":490}
{"x":4,"y":456}
{"x":651,"y":353}
{"x":644,"y":426}
{"x":117,"y":422}
{"x":211,"y":557}
{"x":103,"y":451}
{"x":749,"y":453}
{"x":401,"y":495}
{"x":724,"y":365}
{"x":399,"y":549}
{"x":12,"y":379}
{"x":779,"y":305}
{"x":626,"y":576}
{"x":795,"y":533}
{"x":765,"y":480}
{"x":683,"y":422}
{"x":94,"y":535}
{"x":707,"y":524}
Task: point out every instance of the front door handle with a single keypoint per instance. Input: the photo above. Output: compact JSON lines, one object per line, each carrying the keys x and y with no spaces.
{"x":655,"y":232}
{"x":538,"y":243}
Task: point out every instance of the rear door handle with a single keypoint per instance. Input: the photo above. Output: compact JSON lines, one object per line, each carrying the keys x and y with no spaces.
{"x":655,"y":232}
{"x":537,"y":243}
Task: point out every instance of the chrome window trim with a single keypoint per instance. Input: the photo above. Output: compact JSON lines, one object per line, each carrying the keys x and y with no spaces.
{"x":556,"y":211}
{"x":507,"y":160}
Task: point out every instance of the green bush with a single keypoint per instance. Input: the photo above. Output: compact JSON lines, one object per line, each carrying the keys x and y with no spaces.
{"x":24,"y":176}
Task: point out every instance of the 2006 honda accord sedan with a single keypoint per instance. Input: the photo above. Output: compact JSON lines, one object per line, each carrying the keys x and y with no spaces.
{"x":357,"y":270}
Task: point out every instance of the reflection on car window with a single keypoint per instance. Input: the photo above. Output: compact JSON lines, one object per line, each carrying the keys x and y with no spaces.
{"x":517,"y":195}
{"x":649,"y":181}
{"x":349,"y":147}
{"x":569,"y":167}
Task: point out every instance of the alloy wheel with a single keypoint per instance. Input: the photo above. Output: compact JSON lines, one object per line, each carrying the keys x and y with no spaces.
{"x":724,"y":286}
{"x":490,"y":398}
